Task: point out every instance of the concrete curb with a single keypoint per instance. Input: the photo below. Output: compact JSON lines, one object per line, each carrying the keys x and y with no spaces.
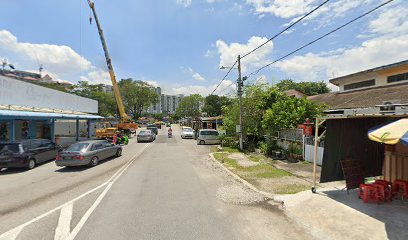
{"x":249,"y":185}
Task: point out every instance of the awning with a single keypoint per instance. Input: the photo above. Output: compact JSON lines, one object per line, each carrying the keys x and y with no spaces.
{"x":10,"y":114}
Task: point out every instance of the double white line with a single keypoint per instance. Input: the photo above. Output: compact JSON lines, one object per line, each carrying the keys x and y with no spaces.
{"x":63,"y":229}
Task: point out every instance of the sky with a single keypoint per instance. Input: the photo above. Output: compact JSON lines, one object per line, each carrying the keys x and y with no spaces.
{"x":180,"y":45}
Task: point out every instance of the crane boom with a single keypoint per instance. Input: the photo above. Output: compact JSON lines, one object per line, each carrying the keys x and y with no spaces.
{"x":123,"y":116}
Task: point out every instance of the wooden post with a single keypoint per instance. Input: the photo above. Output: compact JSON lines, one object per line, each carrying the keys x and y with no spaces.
{"x":315,"y":154}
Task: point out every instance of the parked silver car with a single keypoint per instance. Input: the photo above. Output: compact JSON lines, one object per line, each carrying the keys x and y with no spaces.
{"x":146,"y":136}
{"x":208,"y":136}
{"x":87,"y":153}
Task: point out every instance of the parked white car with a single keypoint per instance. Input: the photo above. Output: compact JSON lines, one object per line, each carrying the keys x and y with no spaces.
{"x":187,"y":132}
{"x":208,"y":136}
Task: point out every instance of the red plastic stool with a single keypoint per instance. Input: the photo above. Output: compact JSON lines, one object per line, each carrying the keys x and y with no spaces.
{"x":400,"y":188}
{"x":369,"y":193}
{"x":386,"y":189}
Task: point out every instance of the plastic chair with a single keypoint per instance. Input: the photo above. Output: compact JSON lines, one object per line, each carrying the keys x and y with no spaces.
{"x":386,"y":189}
{"x":370,"y":193}
{"x":400,"y":188}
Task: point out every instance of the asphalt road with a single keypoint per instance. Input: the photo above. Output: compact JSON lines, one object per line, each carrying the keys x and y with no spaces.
{"x":168,"y":189}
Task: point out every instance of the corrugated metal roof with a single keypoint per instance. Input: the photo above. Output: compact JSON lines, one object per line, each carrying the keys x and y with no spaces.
{"x":28,"y":114}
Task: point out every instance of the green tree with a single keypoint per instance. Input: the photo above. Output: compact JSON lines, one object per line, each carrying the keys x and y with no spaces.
{"x":189,"y":106}
{"x":254,"y":104}
{"x":213,"y":104}
{"x":308,"y":88}
{"x":288,"y":112}
{"x":137,"y":96}
{"x":106,"y":101}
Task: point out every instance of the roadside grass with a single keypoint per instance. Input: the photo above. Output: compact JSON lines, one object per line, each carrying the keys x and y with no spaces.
{"x":225,"y":149}
{"x":256,"y":158}
{"x":262,"y":170}
{"x":290,"y":188}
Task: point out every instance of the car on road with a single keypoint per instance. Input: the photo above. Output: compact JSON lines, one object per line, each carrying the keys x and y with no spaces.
{"x":146,"y":136}
{"x":27,"y":153}
{"x":87,"y":153}
{"x":153,"y":128}
{"x":208,"y":136}
{"x":187,"y":132}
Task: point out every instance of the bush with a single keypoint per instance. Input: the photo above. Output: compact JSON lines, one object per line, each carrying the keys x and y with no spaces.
{"x":229,"y":141}
{"x":268,"y":146}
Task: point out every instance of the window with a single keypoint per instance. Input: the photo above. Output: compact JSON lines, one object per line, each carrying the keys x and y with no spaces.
{"x":397,"y":78}
{"x":362,"y":84}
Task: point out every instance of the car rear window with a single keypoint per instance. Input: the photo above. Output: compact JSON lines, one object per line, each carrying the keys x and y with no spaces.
{"x":213,"y":133}
{"x":187,"y":130}
{"x":144,"y":132}
{"x":6,"y":148}
{"x":78,"y":147}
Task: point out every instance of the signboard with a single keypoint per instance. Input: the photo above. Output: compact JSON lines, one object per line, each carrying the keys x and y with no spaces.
{"x":19,"y":93}
{"x":238,"y":128}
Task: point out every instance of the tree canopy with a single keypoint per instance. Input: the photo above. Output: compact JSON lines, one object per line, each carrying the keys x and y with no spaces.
{"x":213,"y":104}
{"x":189,"y":106}
{"x":106,"y":101}
{"x":308,"y":88}
{"x":137,"y":95}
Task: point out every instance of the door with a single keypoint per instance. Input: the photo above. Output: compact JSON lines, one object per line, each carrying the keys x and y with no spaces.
{"x":109,"y":149}
{"x":50,"y":150}
{"x":99,"y":151}
{"x":39,"y":152}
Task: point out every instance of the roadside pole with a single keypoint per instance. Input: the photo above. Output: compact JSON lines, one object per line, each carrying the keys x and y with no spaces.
{"x":240,"y":83}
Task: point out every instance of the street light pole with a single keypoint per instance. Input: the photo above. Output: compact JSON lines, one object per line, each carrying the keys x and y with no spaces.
{"x":240,"y":84}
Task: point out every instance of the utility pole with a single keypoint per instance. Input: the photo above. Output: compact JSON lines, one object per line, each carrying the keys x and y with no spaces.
{"x":240,"y":85}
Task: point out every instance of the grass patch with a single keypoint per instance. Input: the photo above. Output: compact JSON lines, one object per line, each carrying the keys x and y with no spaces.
{"x":291,"y":188}
{"x":225,"y":149}
{"x":256,"y":158}
{"x":273,"y":173}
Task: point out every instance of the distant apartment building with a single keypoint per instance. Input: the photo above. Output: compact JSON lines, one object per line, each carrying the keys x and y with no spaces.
{"x":167,"y":103}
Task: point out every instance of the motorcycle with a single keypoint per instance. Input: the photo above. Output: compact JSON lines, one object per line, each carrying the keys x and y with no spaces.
{"x":170,"y":134}
{"x":124,"y":140}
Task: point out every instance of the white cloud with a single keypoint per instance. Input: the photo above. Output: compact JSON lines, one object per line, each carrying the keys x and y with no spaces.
{"x":282,"y":8}
{"x":97,"y":77}
{"x":55,"y":58}
{"x":229,"y":53}
{"x":195,"y":74}
{"x":153,"y":83}
{"x":61,"y":62}
{"x":225,"y":88}
{"x":296,"y":8}
{"x":184,"y":3}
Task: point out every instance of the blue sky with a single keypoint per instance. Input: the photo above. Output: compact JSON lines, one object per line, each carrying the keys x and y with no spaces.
{"x":180,"y":44}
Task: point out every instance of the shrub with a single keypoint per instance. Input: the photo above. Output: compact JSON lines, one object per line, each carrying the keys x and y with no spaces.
{"x":229,"y":141}
{"x":268,"y":146}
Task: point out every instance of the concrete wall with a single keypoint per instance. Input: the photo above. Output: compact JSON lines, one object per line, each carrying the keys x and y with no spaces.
{"x":380,"y":78}
{"x":20,"y":93}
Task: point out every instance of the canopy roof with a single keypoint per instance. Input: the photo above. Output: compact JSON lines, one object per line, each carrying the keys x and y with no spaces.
{"x":10,"y":114}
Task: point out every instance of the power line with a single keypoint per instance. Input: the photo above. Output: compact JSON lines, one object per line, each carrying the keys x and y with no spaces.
{"x":270,"y":39}
{"x":226,"y":75}
{"x":287,"y":28}
{"x":321,"y":37}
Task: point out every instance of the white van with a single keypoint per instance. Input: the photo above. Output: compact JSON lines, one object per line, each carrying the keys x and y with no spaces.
{"x":208,"y":136}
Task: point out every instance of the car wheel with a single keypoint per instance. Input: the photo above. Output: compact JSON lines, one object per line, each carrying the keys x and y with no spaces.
{"x":202,"y":142}
{"x":93,"y":162}
{"x":31,"y":164}
{"x":119,"y":152}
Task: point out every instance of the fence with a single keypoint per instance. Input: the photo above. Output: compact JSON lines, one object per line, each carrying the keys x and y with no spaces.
{"x":309,"y":150}
{"x":290,"y":135}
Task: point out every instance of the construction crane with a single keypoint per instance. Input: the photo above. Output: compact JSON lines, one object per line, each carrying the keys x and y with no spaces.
{"x":125,"y":121}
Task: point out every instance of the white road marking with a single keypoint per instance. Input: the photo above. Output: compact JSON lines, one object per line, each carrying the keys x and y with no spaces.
{"x":64,"y":223}
{"x":12,"y":234}
{"x":88,"y":213}
{"x":15,"y":231}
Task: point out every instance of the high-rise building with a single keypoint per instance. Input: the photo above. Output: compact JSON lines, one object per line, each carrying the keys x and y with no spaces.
{"x":167,"y":103}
